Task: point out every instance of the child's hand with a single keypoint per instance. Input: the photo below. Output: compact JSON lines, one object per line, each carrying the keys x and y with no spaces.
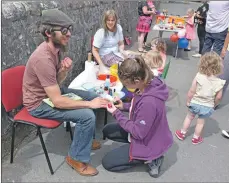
{"x":188,"y":103}
{"x":111,"y":108}
{"x":118,"y":103}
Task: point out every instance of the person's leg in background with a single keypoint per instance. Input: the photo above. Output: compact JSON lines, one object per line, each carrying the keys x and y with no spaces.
{"x":219,"y":41}
{"x":189,"y":45}
{"x":145,"y":38}
{"x":80,"y":150}
{"x":208,"y":43}
{"x":86,"y":95}
{"x":201,"y":35}
{"x":225,"y":74}
{"x":141,"y":36}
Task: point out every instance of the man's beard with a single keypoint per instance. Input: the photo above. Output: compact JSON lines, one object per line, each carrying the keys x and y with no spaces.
{"x":58,"y":45}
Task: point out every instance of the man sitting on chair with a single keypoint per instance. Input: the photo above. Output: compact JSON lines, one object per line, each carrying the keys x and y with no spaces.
{"x":43,"y":75}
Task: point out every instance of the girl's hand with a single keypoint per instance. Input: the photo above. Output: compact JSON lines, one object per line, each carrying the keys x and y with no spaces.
{"x":188,"y":103}
{"x":111,"y":108}
{"x":118,"y":103}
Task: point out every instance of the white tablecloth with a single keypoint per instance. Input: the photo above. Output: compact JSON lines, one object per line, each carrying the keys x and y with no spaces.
{"x":83,"y":78}
{"x":156,"y":27}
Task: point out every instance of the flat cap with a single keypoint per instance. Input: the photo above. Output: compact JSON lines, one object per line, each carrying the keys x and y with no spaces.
{"x":55,"y":17}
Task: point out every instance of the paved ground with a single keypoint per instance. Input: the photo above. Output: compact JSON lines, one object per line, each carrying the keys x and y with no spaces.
{"x":184,"y":162}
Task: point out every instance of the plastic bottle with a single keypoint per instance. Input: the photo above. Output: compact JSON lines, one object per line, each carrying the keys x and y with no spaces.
{"x":89,"y":57}
{"x":107,"y":82}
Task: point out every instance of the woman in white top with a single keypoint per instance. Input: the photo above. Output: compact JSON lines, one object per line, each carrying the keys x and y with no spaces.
{"x":108,"y":45}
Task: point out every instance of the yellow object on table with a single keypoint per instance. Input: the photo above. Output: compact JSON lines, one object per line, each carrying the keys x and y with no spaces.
{"x":177,"y":20}
{"x":114,"y":70}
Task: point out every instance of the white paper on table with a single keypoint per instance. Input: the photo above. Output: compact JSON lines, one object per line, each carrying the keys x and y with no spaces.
{"x":90,"y":72}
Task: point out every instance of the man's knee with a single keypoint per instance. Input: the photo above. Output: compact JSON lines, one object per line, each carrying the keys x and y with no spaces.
{"x":89,"y":117}
{"x":84,"y":118}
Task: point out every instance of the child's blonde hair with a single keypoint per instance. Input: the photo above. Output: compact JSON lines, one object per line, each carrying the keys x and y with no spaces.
{"x":191,"y":11}
{"x":160,"y":44}
{"x":210,"y":64}
{"x":153,"y":59}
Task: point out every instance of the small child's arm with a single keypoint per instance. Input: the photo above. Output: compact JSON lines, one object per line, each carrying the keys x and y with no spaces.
{"x":190,"y":21}
{"x":218,"y":97}
{"x":191,"y":92}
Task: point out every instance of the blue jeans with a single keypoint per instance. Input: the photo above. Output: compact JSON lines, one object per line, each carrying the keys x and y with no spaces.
{"x":225,"y":74}
{"x":85,"y":123}
{"x":216,"y":40}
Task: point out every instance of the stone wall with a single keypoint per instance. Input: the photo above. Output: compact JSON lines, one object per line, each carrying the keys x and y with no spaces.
{"x":20,"y":37}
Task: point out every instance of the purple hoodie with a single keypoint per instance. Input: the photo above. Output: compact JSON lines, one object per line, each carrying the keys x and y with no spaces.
{"x":148,"y":125}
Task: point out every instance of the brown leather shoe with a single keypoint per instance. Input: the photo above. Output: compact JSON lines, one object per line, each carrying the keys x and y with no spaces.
{"x":81,"y":168}
{"x":95,"y":145}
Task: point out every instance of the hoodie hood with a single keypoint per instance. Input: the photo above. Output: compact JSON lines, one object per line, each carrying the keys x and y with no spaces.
{"x":157,"y":88}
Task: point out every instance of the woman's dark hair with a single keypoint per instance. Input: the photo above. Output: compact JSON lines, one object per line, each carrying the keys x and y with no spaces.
{"x":135,"y":68}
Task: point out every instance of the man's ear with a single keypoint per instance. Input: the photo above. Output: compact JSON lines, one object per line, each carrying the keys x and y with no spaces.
{"x":48,"y":33}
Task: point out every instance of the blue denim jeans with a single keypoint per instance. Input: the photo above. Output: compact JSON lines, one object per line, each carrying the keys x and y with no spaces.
{"x":215,"y":40}
{"x":225,"y":74}
{"x":85,"y":123}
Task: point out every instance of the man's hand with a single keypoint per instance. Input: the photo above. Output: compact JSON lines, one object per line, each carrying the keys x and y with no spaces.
{"x":66,"y":65}
{"x":223,"y":52}
{"x":98,"y":103}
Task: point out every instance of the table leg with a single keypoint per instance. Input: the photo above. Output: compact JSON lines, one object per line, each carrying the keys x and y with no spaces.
{"x":160,"y":33}
{"x":105,"y":121}
{"x":176,"y":51}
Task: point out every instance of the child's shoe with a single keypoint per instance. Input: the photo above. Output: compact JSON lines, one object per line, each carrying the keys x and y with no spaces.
{"x":180,"y":135}
{"x":155,"y":167}
{"x":197,"y":140}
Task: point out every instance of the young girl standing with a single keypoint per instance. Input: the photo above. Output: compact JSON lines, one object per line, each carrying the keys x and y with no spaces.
{"x":154,"y":61}
{"x":158,"y":44}
{"x":190,"y":28}
{"x":204,"y":94}
{"x":146,"y":131}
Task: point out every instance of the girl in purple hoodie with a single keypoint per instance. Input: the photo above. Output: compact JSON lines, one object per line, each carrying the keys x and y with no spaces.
{"x":146,"y":131}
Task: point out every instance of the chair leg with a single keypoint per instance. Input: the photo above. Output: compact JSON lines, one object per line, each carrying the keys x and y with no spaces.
{"x":45,"y":150}
{"x":37,"y":133}
{"x":12,"y":143}
{"x":69,"y":129}
{"x":67,"y":126}
{"x":105,"y":122}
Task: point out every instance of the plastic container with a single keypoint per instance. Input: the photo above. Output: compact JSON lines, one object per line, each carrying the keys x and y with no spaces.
{"x":159,"y":18}
{"x":103,"y":77}
{"x":114,"y":70}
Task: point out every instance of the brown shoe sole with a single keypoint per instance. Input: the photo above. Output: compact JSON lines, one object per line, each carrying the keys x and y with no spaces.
{"x":95,"y":148}
{"x":88,"y":175}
